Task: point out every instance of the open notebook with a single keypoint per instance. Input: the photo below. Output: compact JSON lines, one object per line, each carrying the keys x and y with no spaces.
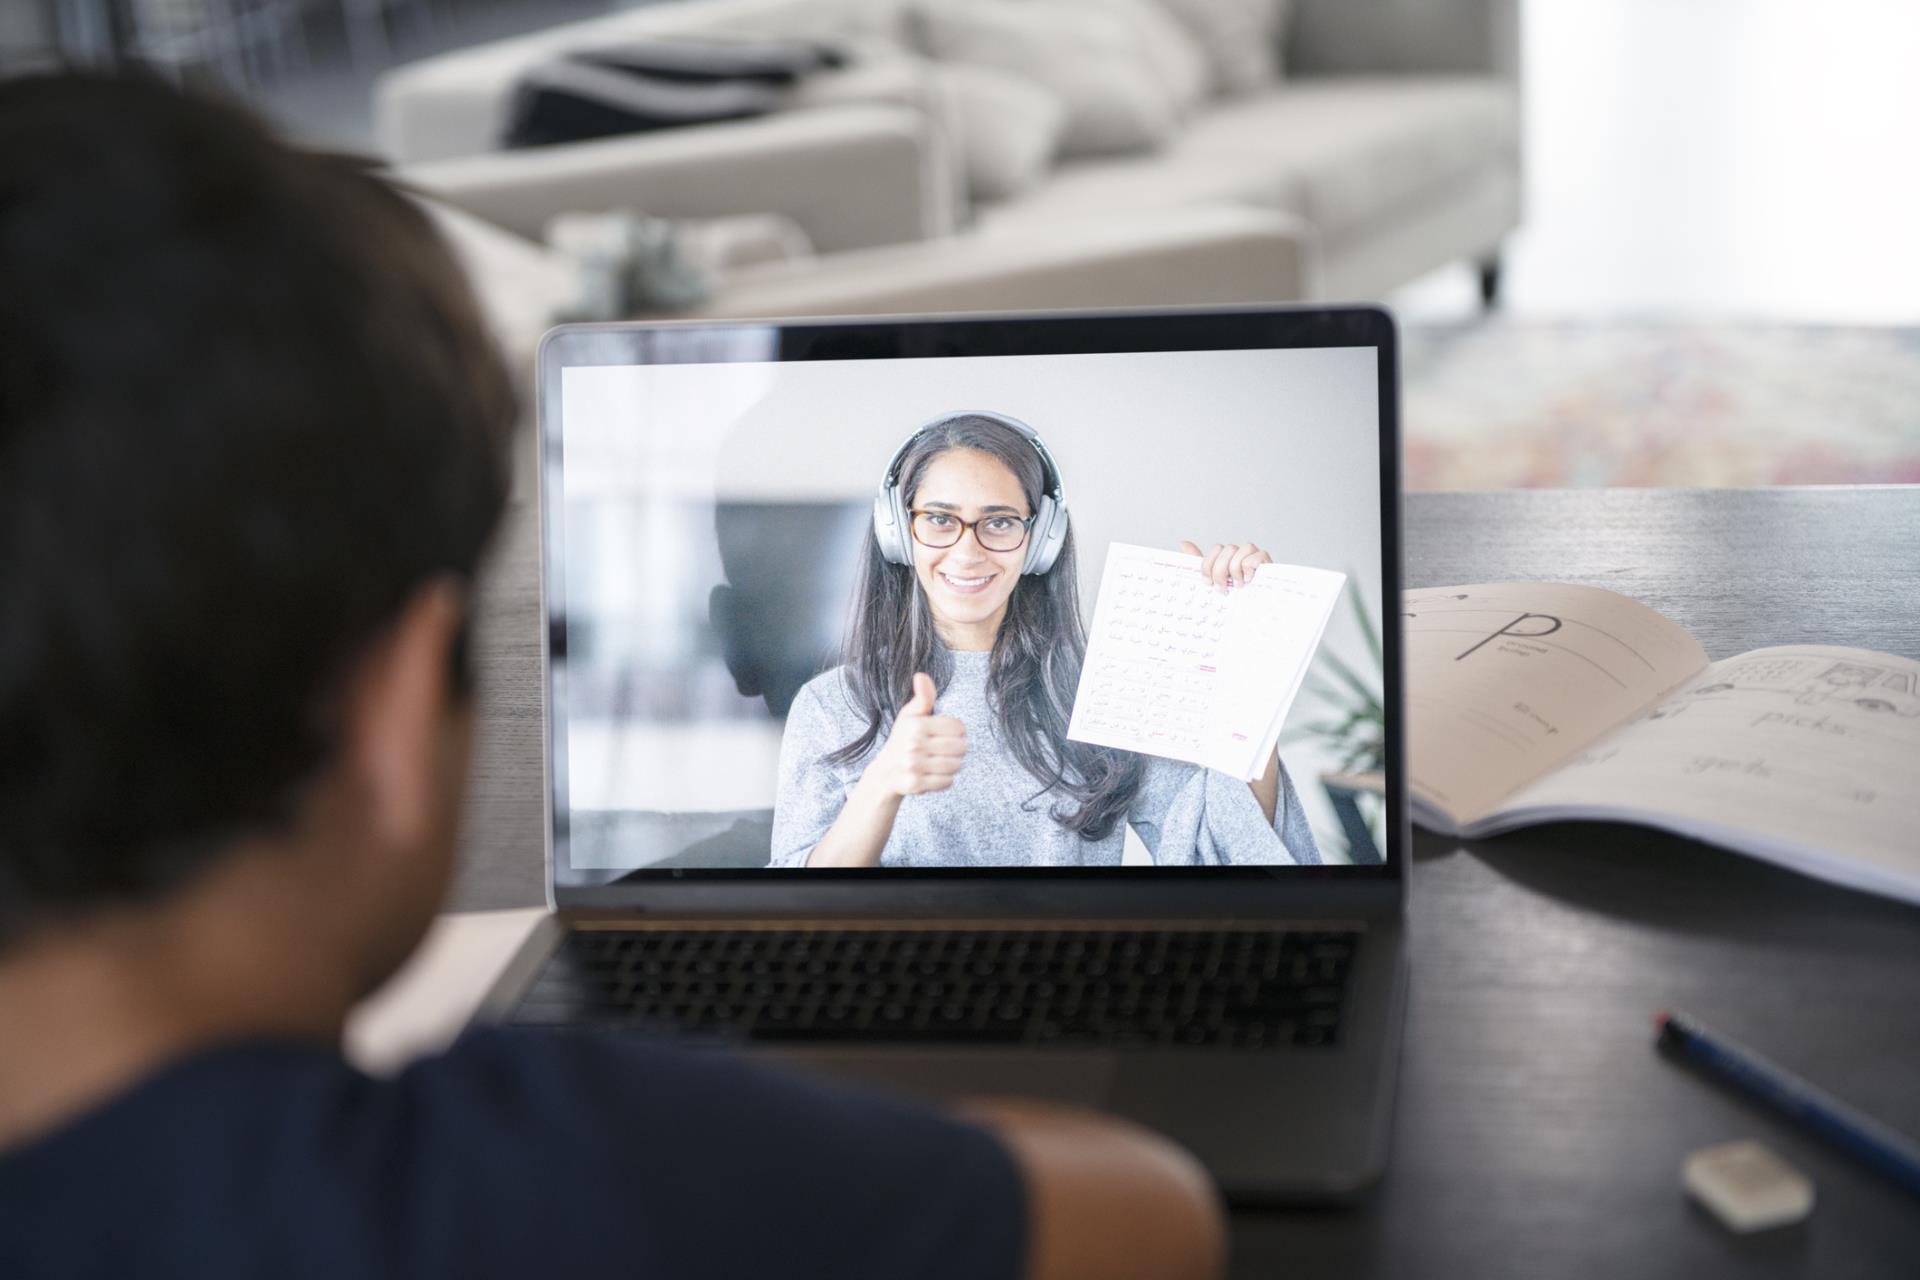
{"x":1537,"y":701}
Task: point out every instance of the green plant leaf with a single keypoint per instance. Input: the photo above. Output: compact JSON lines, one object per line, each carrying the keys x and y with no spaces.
{"x":1321,"y":689}
{"x":1354,"y":720}
{"x":1359,"y":686}
{"x":1364,"y":757}
{"x":1357,"y":738}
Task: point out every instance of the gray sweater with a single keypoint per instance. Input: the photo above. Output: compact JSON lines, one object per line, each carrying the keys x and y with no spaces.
{"x":993,"y":816}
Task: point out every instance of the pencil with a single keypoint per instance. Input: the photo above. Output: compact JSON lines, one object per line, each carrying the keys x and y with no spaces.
{"x":1815,"y":1110}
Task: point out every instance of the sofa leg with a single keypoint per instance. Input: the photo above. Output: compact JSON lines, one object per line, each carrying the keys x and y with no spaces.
{"x":1490,"y":282}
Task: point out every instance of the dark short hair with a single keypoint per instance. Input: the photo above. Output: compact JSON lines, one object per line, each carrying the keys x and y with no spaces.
{"x":247,"y":410}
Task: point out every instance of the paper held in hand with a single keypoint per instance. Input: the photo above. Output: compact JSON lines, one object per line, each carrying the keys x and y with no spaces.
{"x":1177,"y":668}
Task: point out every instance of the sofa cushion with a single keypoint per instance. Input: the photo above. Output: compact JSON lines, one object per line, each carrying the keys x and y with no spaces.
{"x":1005,"y":128}
{"x":1009,"y":128}
{"x":1358,"y":147}
{"x":1340,"y":153}
{"x":1085,"y":191}
{"x":1084,"y":54}
{"x":1241,"y":39}
{"x":878,"y":73}
{"x":890,"y":74}
{"x":1170,"y":50}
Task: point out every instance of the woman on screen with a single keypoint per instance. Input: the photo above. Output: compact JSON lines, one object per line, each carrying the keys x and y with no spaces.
{"x":941,"y":741}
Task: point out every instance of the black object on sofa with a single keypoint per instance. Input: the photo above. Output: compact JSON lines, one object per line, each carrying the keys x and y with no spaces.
{"x":656,"y":84}
{"x":773,"y":62}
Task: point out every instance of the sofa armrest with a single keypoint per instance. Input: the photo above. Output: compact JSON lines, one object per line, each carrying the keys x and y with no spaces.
{"x":851,"y":177}
{"x":1203,"y":255}
{"x":1338,"y":37}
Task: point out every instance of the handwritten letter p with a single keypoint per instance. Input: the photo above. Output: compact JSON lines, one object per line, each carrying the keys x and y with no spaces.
{"x":1514,"y":629}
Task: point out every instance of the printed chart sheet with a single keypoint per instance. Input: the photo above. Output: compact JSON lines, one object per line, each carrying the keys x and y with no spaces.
{"x":1180,"y":669}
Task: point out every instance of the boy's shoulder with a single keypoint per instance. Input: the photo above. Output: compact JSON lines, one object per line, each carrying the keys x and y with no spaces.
{"x":513,"y":1153}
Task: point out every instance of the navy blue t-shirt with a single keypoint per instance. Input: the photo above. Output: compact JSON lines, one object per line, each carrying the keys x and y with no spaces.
{"x":516,"y":1153}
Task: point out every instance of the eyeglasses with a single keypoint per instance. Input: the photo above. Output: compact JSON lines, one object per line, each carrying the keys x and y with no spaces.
{"x":941,"y":529}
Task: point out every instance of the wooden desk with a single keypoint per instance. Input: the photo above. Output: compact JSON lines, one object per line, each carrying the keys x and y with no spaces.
{"x":1538,"y":1134}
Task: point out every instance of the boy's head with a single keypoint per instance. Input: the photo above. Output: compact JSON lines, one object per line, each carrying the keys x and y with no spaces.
{"x":252,"y":443}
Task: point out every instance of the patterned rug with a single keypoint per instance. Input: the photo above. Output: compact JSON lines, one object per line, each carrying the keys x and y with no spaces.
{"x":1505,"y":403}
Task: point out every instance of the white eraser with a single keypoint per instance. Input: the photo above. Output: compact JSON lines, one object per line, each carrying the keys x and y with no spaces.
{"x":1748,"y":1187}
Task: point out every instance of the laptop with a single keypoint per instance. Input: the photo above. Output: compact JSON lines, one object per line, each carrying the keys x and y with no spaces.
{"x":760,"y":537}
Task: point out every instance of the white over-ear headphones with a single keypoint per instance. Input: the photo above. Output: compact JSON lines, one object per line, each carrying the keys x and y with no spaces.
{"x":1044,"y":539}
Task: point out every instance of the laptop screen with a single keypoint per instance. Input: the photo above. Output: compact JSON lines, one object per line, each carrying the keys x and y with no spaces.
{"x":934,"y":598}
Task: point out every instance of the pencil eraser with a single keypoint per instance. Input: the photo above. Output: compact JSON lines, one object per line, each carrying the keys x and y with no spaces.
{"x":1747,"y":1186}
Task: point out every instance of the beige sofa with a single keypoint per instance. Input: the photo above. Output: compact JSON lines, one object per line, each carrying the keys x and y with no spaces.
{"x":1200,"y":256}
{"x":1390,"y":146}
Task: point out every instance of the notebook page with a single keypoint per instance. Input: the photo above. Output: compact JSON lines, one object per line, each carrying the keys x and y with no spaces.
{"x":1177,"y":668}
{"x":1506,"y":680}
{"x":1807,"y":754}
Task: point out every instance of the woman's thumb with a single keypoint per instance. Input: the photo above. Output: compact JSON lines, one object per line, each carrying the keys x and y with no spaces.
{"x":921,"y":704}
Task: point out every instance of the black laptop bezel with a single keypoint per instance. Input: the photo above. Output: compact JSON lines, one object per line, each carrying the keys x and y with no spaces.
{"x":1249,"y":891}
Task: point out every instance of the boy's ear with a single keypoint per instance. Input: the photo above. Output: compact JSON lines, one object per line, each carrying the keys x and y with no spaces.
{"x":396,"y":713}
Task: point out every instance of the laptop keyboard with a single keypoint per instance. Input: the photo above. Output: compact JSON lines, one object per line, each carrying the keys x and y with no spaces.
{"x":1180,"y":988}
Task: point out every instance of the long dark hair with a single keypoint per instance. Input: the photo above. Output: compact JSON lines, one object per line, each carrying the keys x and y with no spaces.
{"x":1035,"y":665}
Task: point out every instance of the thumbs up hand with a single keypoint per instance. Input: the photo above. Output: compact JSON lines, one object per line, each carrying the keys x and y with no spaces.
{"x":924,"y":751}
{"x":921,"y":704}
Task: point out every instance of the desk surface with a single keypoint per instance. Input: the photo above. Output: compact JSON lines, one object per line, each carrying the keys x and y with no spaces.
{"x":1538,"y":1134}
